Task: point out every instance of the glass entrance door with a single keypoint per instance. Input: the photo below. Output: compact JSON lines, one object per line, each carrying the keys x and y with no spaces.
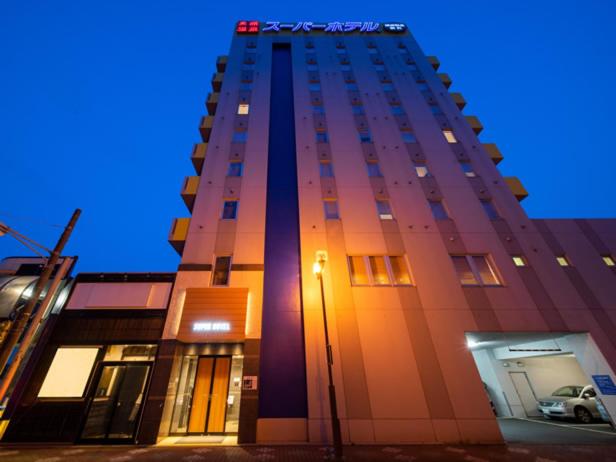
{"x":205,"y":400}
{"x":209,"y":400}
{"x":116,"y":405}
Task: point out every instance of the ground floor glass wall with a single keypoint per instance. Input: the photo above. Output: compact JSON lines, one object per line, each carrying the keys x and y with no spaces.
{"x":208,"y":394}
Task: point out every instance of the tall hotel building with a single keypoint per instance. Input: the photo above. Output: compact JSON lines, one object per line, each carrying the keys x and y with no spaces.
{"x":447,"y":306}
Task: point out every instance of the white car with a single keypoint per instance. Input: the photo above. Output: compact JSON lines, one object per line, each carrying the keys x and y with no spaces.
{"x":573,"y":401}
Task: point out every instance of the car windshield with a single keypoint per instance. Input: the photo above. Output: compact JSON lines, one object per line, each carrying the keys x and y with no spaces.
{"x":570,"y":392}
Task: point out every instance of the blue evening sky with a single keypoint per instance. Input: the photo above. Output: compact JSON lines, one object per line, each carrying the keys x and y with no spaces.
{"x":100,"y":104}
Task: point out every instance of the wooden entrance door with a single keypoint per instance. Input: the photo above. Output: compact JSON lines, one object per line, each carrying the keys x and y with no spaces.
{"x":209,"y":401}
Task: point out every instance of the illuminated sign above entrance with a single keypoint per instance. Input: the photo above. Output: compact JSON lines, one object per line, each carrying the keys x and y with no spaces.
{"x":333,"y":27}
{"x":207,"y":326}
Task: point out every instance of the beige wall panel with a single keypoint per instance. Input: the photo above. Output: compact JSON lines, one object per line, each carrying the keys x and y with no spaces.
{"x":120,"y":295}
{"x":403,"y":431}
{"x":584,"y":321}
{"x":586,"y":259}
{"x":446,"y":430}
{"x":361,"y":431}
{"x":432,"y":270}
{"x":521,"y":320}
{"x":207,"y":209}
{"x":199,"y":248}
{"x":183,"y":280}
{"x":282,"y":430}
{"x":479,"y":431}
{"x":253,"y":280}
{"x":362,"y":219}
{"x":395,"y":391}
{"x":357,"y":403}
{"x":409,"y":298}
{"x":311,"y":210}
{"x":376,"y":298}
{"x":553,"y":278}
{"x":465,"y":389}
{"x":368,"y":243}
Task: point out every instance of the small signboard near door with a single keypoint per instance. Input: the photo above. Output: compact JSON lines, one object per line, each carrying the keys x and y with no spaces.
{"x":249,"y":382}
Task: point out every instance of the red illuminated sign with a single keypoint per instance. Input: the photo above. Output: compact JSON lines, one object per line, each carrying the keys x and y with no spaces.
{"x":247,"y":27}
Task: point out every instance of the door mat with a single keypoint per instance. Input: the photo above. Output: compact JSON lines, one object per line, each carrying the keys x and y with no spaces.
{"x":200,"y":439}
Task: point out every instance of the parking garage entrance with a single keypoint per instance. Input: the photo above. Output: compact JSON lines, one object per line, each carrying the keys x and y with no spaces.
{"x":546,"y":387}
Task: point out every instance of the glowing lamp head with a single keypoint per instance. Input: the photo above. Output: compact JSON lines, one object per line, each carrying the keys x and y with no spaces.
{"x":317,"y":268}
{"x":471,"y":344}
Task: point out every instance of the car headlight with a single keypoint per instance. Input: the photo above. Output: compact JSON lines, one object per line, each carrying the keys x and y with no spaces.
{"x":560,"y":405}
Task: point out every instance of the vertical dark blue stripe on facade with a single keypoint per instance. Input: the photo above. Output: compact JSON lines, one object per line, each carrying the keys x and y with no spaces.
{"x":282,"y":375}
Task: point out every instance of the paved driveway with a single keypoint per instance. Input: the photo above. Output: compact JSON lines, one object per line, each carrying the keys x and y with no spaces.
{"x":542,"y":431}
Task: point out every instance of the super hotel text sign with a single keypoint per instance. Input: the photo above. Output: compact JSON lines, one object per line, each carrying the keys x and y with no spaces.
{"x":333,"y":27}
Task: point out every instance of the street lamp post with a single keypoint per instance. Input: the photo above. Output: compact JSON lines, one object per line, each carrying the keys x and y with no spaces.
{"x":318,"y":266}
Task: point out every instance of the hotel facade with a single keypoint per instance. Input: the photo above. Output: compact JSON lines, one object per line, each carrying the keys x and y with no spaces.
{"x":448,"y":307}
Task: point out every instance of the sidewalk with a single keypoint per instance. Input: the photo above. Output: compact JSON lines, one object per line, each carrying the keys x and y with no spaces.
{"x":180,"y":453}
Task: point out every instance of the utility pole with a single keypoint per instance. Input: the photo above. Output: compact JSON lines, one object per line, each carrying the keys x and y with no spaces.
{"x":19,"y":324}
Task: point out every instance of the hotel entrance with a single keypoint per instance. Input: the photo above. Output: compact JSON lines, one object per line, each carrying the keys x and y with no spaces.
{"x":208,"y":395}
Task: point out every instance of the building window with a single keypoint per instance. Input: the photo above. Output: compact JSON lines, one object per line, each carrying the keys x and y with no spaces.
{"x":449,"y":136}
{"x":380,"y":277}
{"x":438,"y":210}
{"x":318,"y":109}
{"x":326,"y":169}
{"x":239,"y":137}
{"x":408,"y":137}
{"x":436,"y":110}
{"x":314,"y":87}
{"x":235,"y":169}
{"x":373,"y":169}
{"x":229,"y":210}
{"x":475,"y":270}
{"x":352,"y":86}
{"x":563,"y":260}
{"x":519,"y":260}
{"x":222,"y":267}
{"x":243,"y":109}
{"x":358,"y":109}
{"x":379,"y":271}
{"x":397,"y":110}
{"x":467,"y":168}
{"x":399,"y":271}
{"x":609,"y":260}
{"x":359,"y":275}
{"x":490,"y":210}
{"x":388,"y":87}
{"x":422,"y":170}
{"x":331,"y":210}
{"x":322,"y":137}
{"x":365,"y":137}
{"x":69,"y":372}
{"x":384,"y":210}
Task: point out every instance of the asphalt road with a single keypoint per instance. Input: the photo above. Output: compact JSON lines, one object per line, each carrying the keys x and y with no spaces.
{"x":513,"y":453}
